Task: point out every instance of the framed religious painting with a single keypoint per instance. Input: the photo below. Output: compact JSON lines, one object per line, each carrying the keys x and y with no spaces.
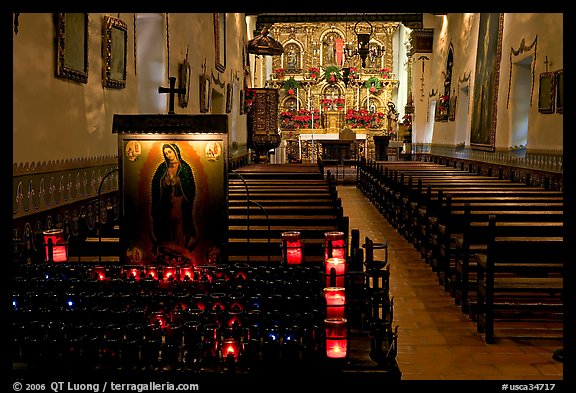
{"x":242,"y":104}
{"x":159,"y":226}
{"x":72,"y":46}
{"x":452,"y":108}
{"x":205,"y":93}
{"x":486,"y":81}
{"x":114,"y":52}
{"x":560,"y":91}
{"x":547,"y":92}
{"x":220,"y":41}
{"x":229,"y":97}
{"x":185,"y":72}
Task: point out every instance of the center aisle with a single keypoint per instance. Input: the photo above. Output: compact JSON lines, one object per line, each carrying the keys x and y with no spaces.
{"x":436,"y":341}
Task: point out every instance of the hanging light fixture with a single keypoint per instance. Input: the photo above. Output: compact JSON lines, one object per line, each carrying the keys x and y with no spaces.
{"x":363,"y":42}
{"x":264,"y":45}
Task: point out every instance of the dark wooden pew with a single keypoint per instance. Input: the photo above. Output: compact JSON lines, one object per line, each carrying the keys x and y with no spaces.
{"x":474,"y":240}
{"x":519,"y":279}
{"x":262,"y":207}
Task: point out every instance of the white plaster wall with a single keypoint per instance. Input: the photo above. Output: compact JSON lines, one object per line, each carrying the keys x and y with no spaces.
{"x":56,"y":119}
{"x":545,"y":131}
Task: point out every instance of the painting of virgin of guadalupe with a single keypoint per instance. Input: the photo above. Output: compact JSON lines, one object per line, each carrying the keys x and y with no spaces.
{"x":486,"y":81}
{"x":174,"y":200}
{"x":173,"y":193}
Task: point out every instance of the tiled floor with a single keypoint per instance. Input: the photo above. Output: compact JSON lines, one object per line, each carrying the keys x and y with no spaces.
{"x":436,"y":341}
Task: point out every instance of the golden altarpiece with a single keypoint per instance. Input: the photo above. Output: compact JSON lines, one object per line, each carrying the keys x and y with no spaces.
{"x":324,"y":89}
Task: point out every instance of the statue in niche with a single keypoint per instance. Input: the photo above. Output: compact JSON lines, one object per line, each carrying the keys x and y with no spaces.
{"x":291,"y":59}
{"x":329,"y":50}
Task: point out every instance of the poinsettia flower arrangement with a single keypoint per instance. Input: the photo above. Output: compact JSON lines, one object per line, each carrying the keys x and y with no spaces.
{"x":385,"y":73}
{"x":249,"y":96}
{"x":353,"y":73}
{"x":339,"y":102}
{"x":362,"y":118}
{"x":407,"y":120}
{"x":373,"y":84}
{"x":290,"y":86}
{"x":278,"y":73}
{"x":300,"y":119}
{"x":332,"y":74}
{"x":326,"y":103}
{"x":313,"y":72}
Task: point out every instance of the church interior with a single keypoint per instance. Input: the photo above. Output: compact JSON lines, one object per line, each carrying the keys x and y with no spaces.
{"x":216,"y":198}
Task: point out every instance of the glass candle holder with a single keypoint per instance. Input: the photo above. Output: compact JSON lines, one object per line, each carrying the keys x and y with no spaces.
{"x":335,"y":302}
{"x":186,"y":273}
{"x":133,"y":272}
{"x":230,"y":349}
{"x":335,"y":245}
{"x":55,"y":245}
{"x":335,"y":272}
{"x":291,"y":248}
{"x":336,"y":338}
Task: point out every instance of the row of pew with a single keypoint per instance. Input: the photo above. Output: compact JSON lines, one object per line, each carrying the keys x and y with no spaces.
{"x":266,"y":200}
{"x":496,"y":245}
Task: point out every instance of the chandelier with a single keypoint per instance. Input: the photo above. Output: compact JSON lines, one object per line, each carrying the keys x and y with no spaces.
{"x":363,"y":48}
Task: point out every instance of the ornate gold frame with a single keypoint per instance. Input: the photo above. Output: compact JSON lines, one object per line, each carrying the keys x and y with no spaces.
{"x":115,"y":38}
{"x":72,"y":46}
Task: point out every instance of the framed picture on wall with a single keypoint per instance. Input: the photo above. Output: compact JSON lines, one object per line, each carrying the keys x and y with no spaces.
{"x":560,"y":91}
{"x":452,"y":108}
{"x":114,"y":51}
{"x":205,"y":93}
{"x":72,"y":46}
{"x":229,"y":97}
{"x":547,"y":92}
{"x":220,"y":40}
{"x":242,"y":101}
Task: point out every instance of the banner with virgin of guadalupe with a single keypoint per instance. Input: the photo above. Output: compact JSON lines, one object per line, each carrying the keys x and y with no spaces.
{"x":173,"y":188}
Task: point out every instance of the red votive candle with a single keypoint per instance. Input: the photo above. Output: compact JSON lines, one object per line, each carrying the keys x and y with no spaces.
{"x":54,"y":238}
{"x":186,"y":274}
{"x":152,"y":272}
{"x":335,"y":271}
{"x":132,"y":272}
{"x":230,"y":349}
{"x":99,"y":272}
{"x":335,"y":245}
{"x":292,"y":247}
{"x":336,"y":338}
{"x":169,"y":273}
{"x":335,"y":302}
{"x":158,"y":318}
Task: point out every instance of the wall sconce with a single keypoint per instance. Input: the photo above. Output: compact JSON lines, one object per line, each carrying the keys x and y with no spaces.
{"x":335,"y":272}
{"x":55,"y":245}
{"x":363,"y":43}
{"x":335,"y":245}
{"x":336,"y":338}
{"x":291,"y":248}
{"x":335,"y":302}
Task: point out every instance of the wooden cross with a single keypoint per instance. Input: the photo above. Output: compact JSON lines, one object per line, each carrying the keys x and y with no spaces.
{"x":171,"y":90}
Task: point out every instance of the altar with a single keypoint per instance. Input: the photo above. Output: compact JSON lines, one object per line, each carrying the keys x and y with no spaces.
{"x":346,"y":145}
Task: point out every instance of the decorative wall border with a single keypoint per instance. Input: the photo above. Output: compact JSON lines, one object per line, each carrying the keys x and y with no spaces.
{"x":40,"y":187}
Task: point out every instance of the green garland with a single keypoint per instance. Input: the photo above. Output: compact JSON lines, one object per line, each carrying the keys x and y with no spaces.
{"x":332,"y":70}
{"x":290,"y":84}
{"x":373,"y":81}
